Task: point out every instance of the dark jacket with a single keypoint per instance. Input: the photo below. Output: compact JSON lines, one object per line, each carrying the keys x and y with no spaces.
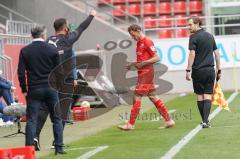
{"x":36,"y":62}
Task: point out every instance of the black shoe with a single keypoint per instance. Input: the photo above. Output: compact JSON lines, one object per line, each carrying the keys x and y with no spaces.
{"x":61,"y":152}
{"x":36,"y":144}
{"x":204,"y":125}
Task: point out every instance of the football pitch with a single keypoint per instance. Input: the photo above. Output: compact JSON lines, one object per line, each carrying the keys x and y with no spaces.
{"x":147,"y":141}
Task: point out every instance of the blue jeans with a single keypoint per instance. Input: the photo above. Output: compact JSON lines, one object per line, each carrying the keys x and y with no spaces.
{"x":2,"y":105}
{"x":7,"y":95}
{"x":35,"y":98}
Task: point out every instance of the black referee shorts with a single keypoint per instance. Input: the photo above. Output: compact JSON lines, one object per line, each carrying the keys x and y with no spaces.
{"x":203,"y":80}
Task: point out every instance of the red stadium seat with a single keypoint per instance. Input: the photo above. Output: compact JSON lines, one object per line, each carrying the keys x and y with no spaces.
{"x":134,"y":9}
{"x":195,"y":6}
{"x":163,"y":34}
{"x":181,"y":20}
{"x":117,"y":13}
{"x":165,"y":22}
{"x":103,"y":1}
{"x":149,"y":9}
{"x":164,"y":8}
{"x":181,"y":33}
{"x":149,"y":0}
{"x":149,"y":24}
{"x":119,"y":1}
{"x":179,"y":7}
{"x":134,"y":1}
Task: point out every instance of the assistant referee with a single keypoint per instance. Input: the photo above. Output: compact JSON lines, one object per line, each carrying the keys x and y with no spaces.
{"x":202,"y":47}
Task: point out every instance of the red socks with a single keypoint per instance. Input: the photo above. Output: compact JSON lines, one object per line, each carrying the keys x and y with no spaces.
{"x":162,"y":109}
{"x":135,"y":111}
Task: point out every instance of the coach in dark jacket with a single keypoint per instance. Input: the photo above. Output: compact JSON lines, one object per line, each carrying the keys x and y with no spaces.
{"x":38,"y":60}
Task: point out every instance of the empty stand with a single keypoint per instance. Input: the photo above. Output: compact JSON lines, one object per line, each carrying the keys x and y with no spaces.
{"x":149,"y":24}
{"x":163,"y":34}
{"x":164,"y":21}
{"x":149,"y":9}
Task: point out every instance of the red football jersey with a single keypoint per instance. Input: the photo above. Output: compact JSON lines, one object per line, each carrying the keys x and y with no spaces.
{"x":145,"y":49}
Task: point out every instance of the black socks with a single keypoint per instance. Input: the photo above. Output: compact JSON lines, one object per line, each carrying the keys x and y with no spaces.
{"x":206,"y":110}
{"x":200,"y":108}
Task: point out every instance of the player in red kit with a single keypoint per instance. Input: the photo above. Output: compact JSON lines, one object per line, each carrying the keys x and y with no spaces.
{"x":146,"y":57}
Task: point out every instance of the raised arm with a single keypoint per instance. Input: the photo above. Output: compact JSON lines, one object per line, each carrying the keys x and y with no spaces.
{"x":74,"y":36}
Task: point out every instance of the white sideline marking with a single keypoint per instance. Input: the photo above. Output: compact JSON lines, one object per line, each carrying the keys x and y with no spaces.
{"x":158,"y":118}
{"x":176,"y":148}
{"x":81,"y":148}
{"x":92,"y":152}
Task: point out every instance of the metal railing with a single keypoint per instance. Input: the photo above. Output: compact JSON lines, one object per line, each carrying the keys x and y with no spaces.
{"x":112,"y":18}
{"x":218,"y":24}
{"x":5,"y":62}
{"x":20,"y":30}
{"x":3,"y":66}
{"x":12,"y":13}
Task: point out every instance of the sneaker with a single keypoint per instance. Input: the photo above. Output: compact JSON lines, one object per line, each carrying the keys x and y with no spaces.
{"x":1,"y":122}
{"x":8,"y":123}
{"x":206,"y":125}
{"x":53,"y":145}
{"x":168,"y":124}
{"x":36,"y":144}
{"x":126,"y":126}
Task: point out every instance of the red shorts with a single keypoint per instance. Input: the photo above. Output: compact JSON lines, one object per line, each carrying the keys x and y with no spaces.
{"x":145,"y":83}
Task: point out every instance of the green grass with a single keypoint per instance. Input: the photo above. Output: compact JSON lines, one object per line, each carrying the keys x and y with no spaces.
{"x":219,"y":142}
{"x":149,"y":142}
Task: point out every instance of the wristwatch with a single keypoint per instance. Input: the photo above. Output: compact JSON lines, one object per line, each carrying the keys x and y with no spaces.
{"x":188,"y":70}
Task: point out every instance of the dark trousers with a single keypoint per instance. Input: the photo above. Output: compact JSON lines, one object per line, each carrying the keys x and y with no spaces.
{"x":35,"y":99}
{"x":7,"y":96}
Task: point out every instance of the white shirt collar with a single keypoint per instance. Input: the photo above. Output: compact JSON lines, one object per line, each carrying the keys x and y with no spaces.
{"x":38,"y":39}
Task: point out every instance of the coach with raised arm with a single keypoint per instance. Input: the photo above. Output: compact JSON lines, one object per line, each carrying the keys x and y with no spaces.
{"x":63,"y":40}
{"x":202,"y":46}
{"x":36,"y":61}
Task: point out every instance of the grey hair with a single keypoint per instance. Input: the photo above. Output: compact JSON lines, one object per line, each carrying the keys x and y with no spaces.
{"x":38,"y":30}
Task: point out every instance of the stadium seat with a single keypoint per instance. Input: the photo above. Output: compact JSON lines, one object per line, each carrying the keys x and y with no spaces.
{"x":119,"y":2}
{"x":164,"y":22}
{"x":164,"y":8}
{"x":149,"y":9}
{"x":179,"y":7}
{"x":117,"y":13}
{"x":134,"y":1}
{"x":181,"y":20}
{"x":134,"y":9}
{"x":103,"y":2}
{"x":163,"y":34}
{"x":149,"y":0}
{"x":149,"y":24}
{"x":195,"y":6}
{"x":181,"y":33}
